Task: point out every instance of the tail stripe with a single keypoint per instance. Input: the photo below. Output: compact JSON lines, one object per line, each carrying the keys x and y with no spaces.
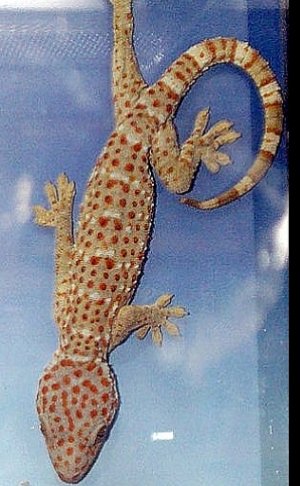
{"x":182,"y":74}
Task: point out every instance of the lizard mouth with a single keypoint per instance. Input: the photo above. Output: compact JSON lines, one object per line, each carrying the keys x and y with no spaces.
{"x":74,"y":479}
{"x":94,"y":450}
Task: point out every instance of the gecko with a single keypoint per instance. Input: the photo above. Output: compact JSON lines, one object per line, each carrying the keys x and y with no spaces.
{"x":98,"y":266}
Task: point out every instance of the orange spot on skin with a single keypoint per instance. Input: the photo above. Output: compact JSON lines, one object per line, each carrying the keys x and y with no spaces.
{"x":95,"y":260}
{"x":105,"y":382}
{"x":45,"y":390}
{"x":129,"y":167}
{"x":76,"y":389}
{"x":67,"y":362}
{"x":55,"y":386}
{"x":71,"y":424}
{"x":93,"y":413}
{"x":78,"y":373}
{"x":180,"y":75}
{"x":104,"y":411}
{"x":103,"y":221}
{"x":86,"y":383}
{"x":66,"y":380}
{"x":47,"y":376}
{"x":137,"y":147}
{"x":118,"y":225}
{"x":105,"y":397}
{"x":70,"y":451}
{"x":91,"y":366}
{"x":108,"y":199}
{"x":109,"y":263}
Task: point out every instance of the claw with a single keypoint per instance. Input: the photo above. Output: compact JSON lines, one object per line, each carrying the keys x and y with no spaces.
{"x":157,"y":337}
{"x":202,"y":121}
{"x":172,"y":329}
{"x":223,"y":159}
{"x":219,"y":128}
{"x":226,"y":138}
{"x":51,"y":193}
{"x":164,"y":300}
{"x":142,"y":332}
{"x":177,"y":312}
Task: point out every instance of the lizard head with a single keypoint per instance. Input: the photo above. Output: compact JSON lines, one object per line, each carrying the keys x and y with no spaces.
{"x":77,"y":404}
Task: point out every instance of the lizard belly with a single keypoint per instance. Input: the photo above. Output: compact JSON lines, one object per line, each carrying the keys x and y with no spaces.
{"x":114,"y":228}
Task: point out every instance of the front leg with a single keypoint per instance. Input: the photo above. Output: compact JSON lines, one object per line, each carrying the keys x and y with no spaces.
{"x":144,"y":318}
{"x":176,"y":165}
{"x":59,"y":216}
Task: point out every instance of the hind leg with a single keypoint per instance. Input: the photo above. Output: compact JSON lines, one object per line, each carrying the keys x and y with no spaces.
{"x":176,"y":165}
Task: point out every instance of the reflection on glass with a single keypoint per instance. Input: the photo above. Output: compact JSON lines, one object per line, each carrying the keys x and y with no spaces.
{"x":162,"y":436}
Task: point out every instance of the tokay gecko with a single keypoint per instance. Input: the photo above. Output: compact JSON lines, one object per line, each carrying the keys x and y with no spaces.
{"x":98,"y":267}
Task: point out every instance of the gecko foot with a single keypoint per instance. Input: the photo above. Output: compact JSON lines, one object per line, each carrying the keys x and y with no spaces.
{"x":208,"y":144}
{"x":160,"y":313}
{"x":60,"y":197}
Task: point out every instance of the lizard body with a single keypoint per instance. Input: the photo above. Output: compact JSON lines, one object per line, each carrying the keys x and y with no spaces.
{"x":97,"y":271}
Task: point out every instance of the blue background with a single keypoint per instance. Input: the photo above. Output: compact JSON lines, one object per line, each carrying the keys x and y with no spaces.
{"x":221,"y":388}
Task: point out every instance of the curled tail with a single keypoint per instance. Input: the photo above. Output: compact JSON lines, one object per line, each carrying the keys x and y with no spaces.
{"x":199,"y":58}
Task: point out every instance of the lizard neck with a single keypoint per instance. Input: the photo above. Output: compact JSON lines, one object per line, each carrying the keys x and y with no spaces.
{"x":84,"y":345}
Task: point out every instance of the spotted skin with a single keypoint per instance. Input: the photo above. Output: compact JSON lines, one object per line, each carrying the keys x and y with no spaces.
{"x":98,"y":268}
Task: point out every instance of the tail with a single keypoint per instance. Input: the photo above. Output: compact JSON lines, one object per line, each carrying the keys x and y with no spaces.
{"x":199,"y":58}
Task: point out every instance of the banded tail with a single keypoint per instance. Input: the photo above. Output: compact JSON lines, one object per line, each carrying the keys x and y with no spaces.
{"x":199,"y":58}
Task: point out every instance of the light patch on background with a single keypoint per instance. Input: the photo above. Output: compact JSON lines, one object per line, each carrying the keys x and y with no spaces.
{"x":52,"y":4}
{"x":162,"y":436}
{"x":22,"y":199}
{"x":21,"y":209}
{"x":281,"y":241}
{"x":275,"y":254}
{"x":221,"y":334}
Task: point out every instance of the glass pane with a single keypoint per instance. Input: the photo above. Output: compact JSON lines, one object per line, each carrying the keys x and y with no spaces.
{"x":210,"y":407}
